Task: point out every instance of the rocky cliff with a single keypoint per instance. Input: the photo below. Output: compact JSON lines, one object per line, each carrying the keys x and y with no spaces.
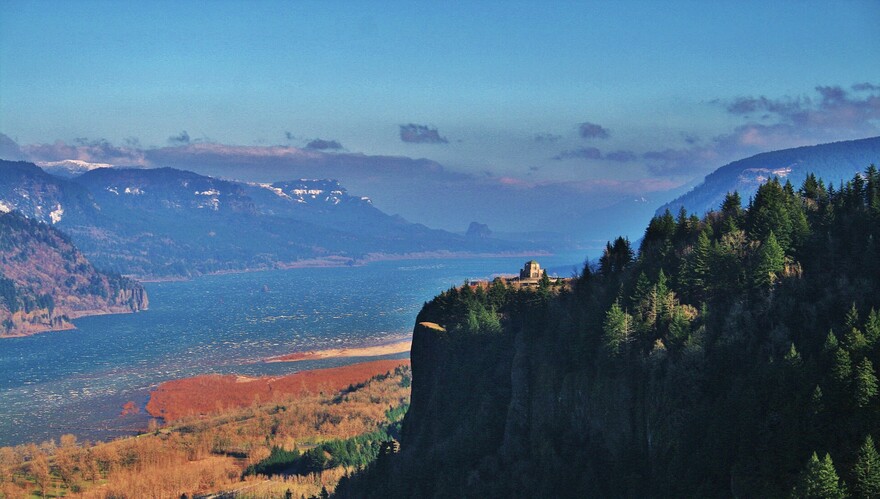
{"x":45,"y":281}
{"x":712,"y":363}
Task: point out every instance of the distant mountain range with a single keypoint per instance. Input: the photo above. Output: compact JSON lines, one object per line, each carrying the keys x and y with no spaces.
{"x":166,"y":222}
{"x":45,"y":281}
{"x":834,"y":162}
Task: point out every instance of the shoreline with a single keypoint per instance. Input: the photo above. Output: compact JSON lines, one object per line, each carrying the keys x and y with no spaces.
{"x":337,"y":262}
{"x":389,"y":347}
{"x":69,"y":325}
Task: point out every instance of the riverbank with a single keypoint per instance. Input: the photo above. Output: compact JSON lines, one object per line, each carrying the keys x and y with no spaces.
{"x":23,"y":328}
{"x":332,"y":353}
{"x":341,"y":261}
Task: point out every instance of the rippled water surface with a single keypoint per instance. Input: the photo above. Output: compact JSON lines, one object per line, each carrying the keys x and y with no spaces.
{"x":77,"y":381}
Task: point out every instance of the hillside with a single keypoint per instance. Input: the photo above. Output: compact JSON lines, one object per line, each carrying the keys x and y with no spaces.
{"x":168,"y":223}
{"x":45,"y":281}
{"x":733,"y":356}
{"x":835,"y":163}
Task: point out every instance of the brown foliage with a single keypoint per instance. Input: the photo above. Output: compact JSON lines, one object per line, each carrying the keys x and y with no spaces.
{"x":205,"y":454}
{"x":202,"y":395}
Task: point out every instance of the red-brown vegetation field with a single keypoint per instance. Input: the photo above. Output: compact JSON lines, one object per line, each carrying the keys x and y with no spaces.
{"x":208,"y":452}
{"x":202,"y":395}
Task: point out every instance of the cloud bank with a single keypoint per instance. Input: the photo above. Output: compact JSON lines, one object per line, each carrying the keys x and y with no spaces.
{"x":589,"y":130}
{"x":179,"y":139}
{"x":323,"y":145}
{"x":833,"y":113}
{"x":420,"y":134}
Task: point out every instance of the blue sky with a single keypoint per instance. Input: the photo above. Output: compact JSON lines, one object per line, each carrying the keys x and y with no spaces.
{"x":496,"y":89}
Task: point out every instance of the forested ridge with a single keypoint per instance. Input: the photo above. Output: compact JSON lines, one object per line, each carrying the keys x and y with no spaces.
{"x":45,"y":281}
{"x":732,"y":355}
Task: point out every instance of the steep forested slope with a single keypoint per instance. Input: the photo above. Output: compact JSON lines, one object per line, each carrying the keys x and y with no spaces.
{"x":733,"y":356}
{"x":835,"y":162}
{"x":45,"y":281}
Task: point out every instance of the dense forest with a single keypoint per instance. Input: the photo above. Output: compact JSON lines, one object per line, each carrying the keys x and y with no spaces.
{"x":732,"y":355}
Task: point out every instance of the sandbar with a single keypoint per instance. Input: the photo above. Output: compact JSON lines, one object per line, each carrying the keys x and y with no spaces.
{"x":371,"y":351}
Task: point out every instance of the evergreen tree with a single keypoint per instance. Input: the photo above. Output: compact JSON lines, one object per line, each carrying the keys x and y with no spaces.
{"x":616,"y":329}
{"x":793,"y":357}
{"x":697,"y":274}
{"x":872,"y":328}
{"x":816,"y":402}
{"x":831,"y":343}
{"x":820,"y":481}
{"x":865,"y":383}
{"x":855,"y":341}
{"x":851,"y":321}
{"x":841,"y":367}
{"x":544,"y":283}
{"x":770,"y":262}
{"x":732,"y":206}
{"x":866,"y":471}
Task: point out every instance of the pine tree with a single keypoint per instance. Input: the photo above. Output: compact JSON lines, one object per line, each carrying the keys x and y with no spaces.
{"x":831,"y":343}
{"x":854,"y":340}
{"x":851,"y":321}
{"x":732,"y":206}
{"x":820,"y":481}
{"x":544,"y":283}
{"x":816,"y":402}
{"x":616,"y":329}
{"x":770,"y":262}
{"x":865,"y":383}
{"x":697,"y":275}
{"x":872,"y":328}
{"x":793,"y":357}
{"x":867,"y":471}
{"x":841,"y":367}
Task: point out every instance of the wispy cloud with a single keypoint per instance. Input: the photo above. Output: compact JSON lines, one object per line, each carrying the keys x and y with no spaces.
{"x":589,"y":130}
{"x":181,"y":138}
{"x":421,"y":134}
{"x":93,"y":151}
{"x":546,"y":138}
{"x":834,"y":109}
{"x":580,"y":153}
{"x":621,"y":156}
{"x":831,"y":113}
{"x":323,"y":145}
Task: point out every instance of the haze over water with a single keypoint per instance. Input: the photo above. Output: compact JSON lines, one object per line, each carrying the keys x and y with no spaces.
{"x":77,"y":381}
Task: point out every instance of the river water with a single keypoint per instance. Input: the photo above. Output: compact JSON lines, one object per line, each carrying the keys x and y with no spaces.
{"x":77,"y":381}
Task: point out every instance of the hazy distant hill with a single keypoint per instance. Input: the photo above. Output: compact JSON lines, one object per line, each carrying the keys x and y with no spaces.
{"x":45,"y":281}
{"x":168,"y":222}
{"x":834,"y":162}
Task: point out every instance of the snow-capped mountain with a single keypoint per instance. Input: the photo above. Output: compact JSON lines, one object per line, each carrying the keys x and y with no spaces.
{"x":70,"y":167}
{"x":160,"y":222}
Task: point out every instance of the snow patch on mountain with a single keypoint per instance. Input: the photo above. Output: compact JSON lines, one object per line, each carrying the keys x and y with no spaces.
{"x":56,"y":214}
{"x":70,"y":167}
{"x":760,"y":175}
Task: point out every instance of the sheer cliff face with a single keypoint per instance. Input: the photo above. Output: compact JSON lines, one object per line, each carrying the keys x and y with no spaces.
{"x":507,"y":415}
{"x":45,"y":281}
